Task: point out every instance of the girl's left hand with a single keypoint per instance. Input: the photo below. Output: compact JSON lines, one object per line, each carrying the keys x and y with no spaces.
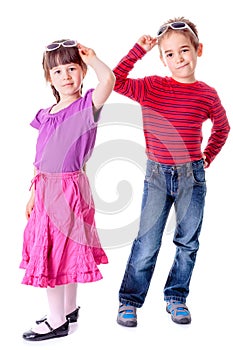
{"x":86,"y":53}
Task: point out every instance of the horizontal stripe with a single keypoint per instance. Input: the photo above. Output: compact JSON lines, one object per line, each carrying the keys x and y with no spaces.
{"x":173,"y":113}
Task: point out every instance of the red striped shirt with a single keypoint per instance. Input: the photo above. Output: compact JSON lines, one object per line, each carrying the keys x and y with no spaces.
{"x":173,"y":113}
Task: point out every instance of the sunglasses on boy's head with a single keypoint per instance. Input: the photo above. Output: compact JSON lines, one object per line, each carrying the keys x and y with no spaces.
{"x":175,"y":26}
{"x":65,"y":43}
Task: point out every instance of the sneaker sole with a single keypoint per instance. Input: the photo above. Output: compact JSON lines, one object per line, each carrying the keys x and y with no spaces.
{"x":127,"y":323}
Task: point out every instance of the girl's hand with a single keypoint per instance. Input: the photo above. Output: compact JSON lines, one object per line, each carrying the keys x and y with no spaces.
{"x":105,"y":76}
{"x":147,"y":42}
{"x":29,"y":206}
{"x":86,"y":53}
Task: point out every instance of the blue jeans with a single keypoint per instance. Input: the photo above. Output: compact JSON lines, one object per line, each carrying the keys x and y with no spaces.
{"x":185,"y":187}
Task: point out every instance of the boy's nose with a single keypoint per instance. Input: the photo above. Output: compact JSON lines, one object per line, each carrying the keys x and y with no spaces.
{"x":179,"y":58}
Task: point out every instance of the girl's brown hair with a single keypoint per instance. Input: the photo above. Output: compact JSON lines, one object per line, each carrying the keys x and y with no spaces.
{"x":60,"y":56}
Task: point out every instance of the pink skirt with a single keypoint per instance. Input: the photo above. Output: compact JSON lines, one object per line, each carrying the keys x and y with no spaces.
{"x":61,"y":243}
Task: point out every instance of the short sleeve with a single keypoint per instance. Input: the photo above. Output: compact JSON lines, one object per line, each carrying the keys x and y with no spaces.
{"x":36,"y":122}
{"x":97,"y":115}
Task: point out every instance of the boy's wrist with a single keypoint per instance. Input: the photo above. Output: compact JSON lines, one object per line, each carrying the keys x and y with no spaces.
{"x":206,"y":160}
{"x":138,"y":46}
{"x":137,"y":52}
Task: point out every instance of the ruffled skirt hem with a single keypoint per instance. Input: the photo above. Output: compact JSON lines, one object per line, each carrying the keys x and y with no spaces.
{"x":46,"y":281}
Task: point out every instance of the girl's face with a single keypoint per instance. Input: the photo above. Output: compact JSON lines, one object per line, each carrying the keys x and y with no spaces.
{"x":180,"y":56}
{"x":67,"y":79}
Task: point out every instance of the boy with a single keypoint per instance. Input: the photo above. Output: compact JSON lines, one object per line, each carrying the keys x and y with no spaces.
{"x":174,"y":109}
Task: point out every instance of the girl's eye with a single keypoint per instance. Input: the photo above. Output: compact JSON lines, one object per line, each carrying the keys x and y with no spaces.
{"x":57,"y":71}
{"x":169,"y":55}
{"x":72,"y":69}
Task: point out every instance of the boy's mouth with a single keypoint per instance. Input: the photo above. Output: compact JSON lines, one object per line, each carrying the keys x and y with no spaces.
{"x":183,"y":66}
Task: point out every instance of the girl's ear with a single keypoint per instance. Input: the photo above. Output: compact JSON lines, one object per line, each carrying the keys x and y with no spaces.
{"x":199,"y":50}
{"x":84,"y":72}
{"x":48,"y":78}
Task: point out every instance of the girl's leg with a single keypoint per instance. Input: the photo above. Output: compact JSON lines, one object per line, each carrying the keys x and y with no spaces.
{"x":70,"y":297}
{"x":56,"y":315}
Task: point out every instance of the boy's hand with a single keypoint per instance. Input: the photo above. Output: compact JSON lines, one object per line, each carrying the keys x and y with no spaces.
{"x":147,"y":42}
{"x":86,"y":53}
{"x":205,"y":162}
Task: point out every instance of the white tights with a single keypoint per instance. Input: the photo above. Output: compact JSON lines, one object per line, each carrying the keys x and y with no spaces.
{"x":61,"y":301}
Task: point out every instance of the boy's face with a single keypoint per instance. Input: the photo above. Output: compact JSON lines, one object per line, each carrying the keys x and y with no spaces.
{"x":180,"y":56}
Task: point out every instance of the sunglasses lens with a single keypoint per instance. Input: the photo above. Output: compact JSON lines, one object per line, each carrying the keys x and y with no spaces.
{"x":52,"y":46}
{"x":161,"y":30}
{"x":69,"y":43}
{"x":178,"y":25}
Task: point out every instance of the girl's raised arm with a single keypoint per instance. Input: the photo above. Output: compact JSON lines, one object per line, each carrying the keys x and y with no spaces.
{"x":104,"y":74}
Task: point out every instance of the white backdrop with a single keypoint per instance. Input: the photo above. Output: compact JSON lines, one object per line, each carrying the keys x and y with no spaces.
{"x":111,"y":29}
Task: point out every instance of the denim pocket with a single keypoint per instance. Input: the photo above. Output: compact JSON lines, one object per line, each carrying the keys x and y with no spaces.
{"x":199,"y":172}
{"x":149,"y":176}
{"x":150,"y":172}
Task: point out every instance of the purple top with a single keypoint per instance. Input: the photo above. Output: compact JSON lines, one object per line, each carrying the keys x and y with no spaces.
{"x":66,"y":139}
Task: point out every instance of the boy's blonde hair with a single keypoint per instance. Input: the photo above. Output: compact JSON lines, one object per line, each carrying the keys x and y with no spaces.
{"x":194,"y":40}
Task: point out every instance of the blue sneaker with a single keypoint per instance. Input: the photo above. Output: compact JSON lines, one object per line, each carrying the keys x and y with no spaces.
{"x":127,"y":315}
{"x":179,"y":312}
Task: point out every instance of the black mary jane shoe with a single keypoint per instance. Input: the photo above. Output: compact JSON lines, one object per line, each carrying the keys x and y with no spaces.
{"x":72,"y":317}
{"x":61,"y":331}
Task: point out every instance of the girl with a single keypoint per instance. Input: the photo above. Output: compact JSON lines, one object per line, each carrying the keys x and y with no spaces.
{"x":61,"y":245}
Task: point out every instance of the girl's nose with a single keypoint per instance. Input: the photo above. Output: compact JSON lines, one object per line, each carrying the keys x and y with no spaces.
{"x":66,"y":75}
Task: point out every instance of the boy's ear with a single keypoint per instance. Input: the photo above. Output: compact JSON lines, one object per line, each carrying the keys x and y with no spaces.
{"x":199,"y":50}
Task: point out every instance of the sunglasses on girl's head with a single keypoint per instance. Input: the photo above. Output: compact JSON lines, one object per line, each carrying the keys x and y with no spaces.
{"x":175,"y":26}
{"x":65,"y":43}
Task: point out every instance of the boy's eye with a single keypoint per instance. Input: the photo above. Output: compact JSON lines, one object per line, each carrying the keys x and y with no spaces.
{"x":170,"y":55}
{"x":57,"y":71}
